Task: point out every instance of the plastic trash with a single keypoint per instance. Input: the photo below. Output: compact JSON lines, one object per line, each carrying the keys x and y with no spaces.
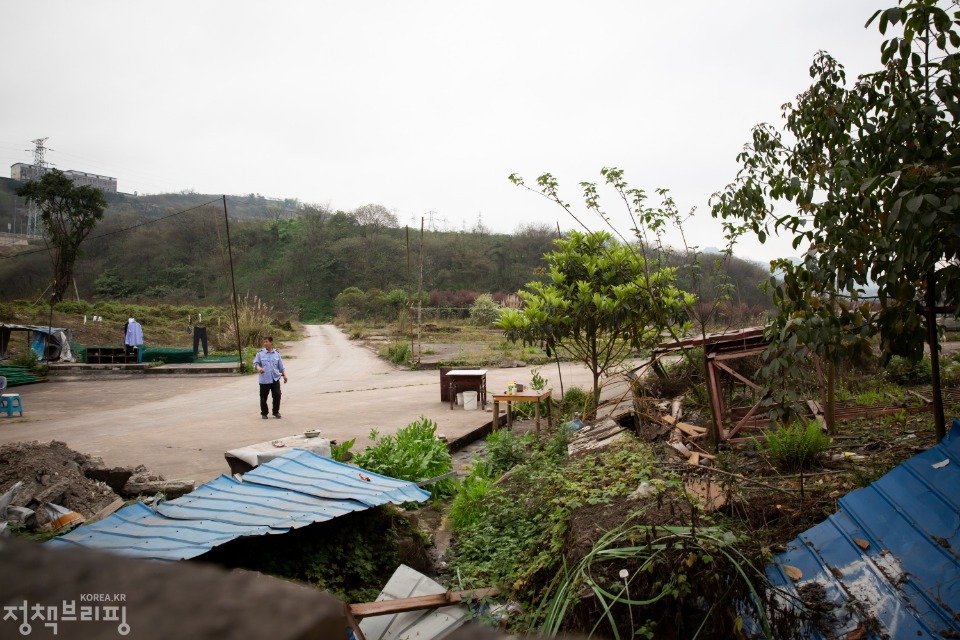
{"x":61,"y":517}
{"x":645,"y":490}
{"x":575,"y":425}
{"x":7,"y":498}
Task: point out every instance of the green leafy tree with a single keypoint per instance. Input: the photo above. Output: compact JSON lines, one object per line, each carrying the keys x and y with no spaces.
{"x":68,"y":214}
{"x":598,"y":301}
{"x":871,"y":172}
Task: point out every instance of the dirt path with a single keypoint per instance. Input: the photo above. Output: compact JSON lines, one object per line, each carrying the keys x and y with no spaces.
{"x":180,"y":426}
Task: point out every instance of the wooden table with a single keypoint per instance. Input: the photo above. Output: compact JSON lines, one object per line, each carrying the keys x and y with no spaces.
{"x":521,"y":396}
{"x":468,"y":380}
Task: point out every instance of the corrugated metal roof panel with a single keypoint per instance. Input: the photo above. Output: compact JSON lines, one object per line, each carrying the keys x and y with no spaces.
{"x":906,"y":582}
{"x":137,"y":530}
{"x":250,"y":504}
{"x":308,"y":473}
{"x":292,"y":491}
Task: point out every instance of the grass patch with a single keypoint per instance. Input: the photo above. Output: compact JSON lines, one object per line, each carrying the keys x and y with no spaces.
{"x":797,"y":447}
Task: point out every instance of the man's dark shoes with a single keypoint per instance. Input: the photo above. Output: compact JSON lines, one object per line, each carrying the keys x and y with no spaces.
{"x":263,"y":415}
{"x":276,"y":415}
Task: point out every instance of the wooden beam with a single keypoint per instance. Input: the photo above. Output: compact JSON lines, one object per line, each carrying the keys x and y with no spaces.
{"x":107,"y":510}
{"x":690,"y":430}
{"x":416,"y":603}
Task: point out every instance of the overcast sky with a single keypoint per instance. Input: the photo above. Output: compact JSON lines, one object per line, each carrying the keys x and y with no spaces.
{"x":418,"y":106}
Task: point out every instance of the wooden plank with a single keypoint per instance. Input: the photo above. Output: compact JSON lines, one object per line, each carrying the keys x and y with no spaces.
{"x":691,"y":430}
{"x":416,"y":603}
{"x":107,"y":510}
{"x":694,"y":458}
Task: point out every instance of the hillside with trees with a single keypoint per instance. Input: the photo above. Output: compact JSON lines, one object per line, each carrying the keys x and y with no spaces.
{"x":297,"y":257}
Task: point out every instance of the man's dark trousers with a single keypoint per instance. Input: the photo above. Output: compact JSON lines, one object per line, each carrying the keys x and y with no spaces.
{"x":265,"y":390}
{"x":199,"y":337}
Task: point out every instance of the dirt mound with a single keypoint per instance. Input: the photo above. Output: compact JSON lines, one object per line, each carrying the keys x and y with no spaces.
{"x":52,"y":472}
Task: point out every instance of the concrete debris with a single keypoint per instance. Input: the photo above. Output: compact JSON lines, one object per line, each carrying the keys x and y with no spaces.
{"x":37,"y":480}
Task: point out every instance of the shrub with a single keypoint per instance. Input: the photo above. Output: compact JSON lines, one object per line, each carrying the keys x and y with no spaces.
{"x":397,"y":352}
{"x":253,"y":316}
{"x":902,"y":371}
{"x":351,"y":303}
{"x":950,"y":374}
{"x":484,"y":311}
{"x":797,"y":446}
{"x":413,"y":454}
{"x":27,"y":359}
{"x":468,"y":507}
{"x":505,"y":450}
{"x":576,"y":400}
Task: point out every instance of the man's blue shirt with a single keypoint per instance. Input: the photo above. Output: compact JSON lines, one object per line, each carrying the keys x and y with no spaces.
{"x":272,"y":365}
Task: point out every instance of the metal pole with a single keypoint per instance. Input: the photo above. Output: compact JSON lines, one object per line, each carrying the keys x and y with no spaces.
{"x":939,"y":421}
{"x":409,"y":290}
{"x":420,"y":295}
{"x":233,"y":284}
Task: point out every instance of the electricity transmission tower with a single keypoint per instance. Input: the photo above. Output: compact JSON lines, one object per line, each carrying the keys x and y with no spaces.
{"x":40,"y":164}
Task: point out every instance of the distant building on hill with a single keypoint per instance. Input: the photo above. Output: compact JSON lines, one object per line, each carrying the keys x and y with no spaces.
{"x":25,"y":172}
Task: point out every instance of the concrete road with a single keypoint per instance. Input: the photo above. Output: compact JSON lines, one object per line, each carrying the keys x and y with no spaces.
{"x":180,"y":426}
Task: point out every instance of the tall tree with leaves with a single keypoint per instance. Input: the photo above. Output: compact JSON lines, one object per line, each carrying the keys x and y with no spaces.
{"x":872,"y":172}
{"x":68,"y":213}
{"x":597,"y":302}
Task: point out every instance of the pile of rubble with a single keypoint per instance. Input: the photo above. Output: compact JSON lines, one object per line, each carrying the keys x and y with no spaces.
{"x":42,"y":483}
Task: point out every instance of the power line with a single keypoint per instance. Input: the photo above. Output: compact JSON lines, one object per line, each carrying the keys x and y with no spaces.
{"x":116,"y":231}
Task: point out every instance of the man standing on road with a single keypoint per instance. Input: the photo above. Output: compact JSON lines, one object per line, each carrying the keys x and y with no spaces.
{"x":269,"y":365}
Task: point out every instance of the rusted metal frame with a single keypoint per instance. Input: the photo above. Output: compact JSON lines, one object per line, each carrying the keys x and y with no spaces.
{"x":741,"y":335}
{"x":739,"y":377}
{"x":714,"y":388}
{"x":744,"y":419}
{"x":736,"y":355}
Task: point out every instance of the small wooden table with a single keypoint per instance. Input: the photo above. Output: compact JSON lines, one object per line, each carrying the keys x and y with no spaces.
{"x":468,"y":380}
{"x":521,"y":396}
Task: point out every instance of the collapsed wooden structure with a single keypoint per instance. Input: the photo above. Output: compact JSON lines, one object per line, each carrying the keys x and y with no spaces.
{"x":722,"y":349}
{"x":719,"y":350}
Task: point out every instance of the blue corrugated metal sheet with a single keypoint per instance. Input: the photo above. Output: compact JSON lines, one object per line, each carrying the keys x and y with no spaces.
{"x":889,"y":559}
{"x":292,"y":491}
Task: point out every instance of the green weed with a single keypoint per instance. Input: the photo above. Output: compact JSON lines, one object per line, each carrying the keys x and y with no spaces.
{"x":903,"y":371}
{"x":468,"y":507}
{"x":412,"y":454}
{"x":505,"y":450}
{"x":797,"y":446}
{"x":341,"y":451}
{"x":397,"y":352}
